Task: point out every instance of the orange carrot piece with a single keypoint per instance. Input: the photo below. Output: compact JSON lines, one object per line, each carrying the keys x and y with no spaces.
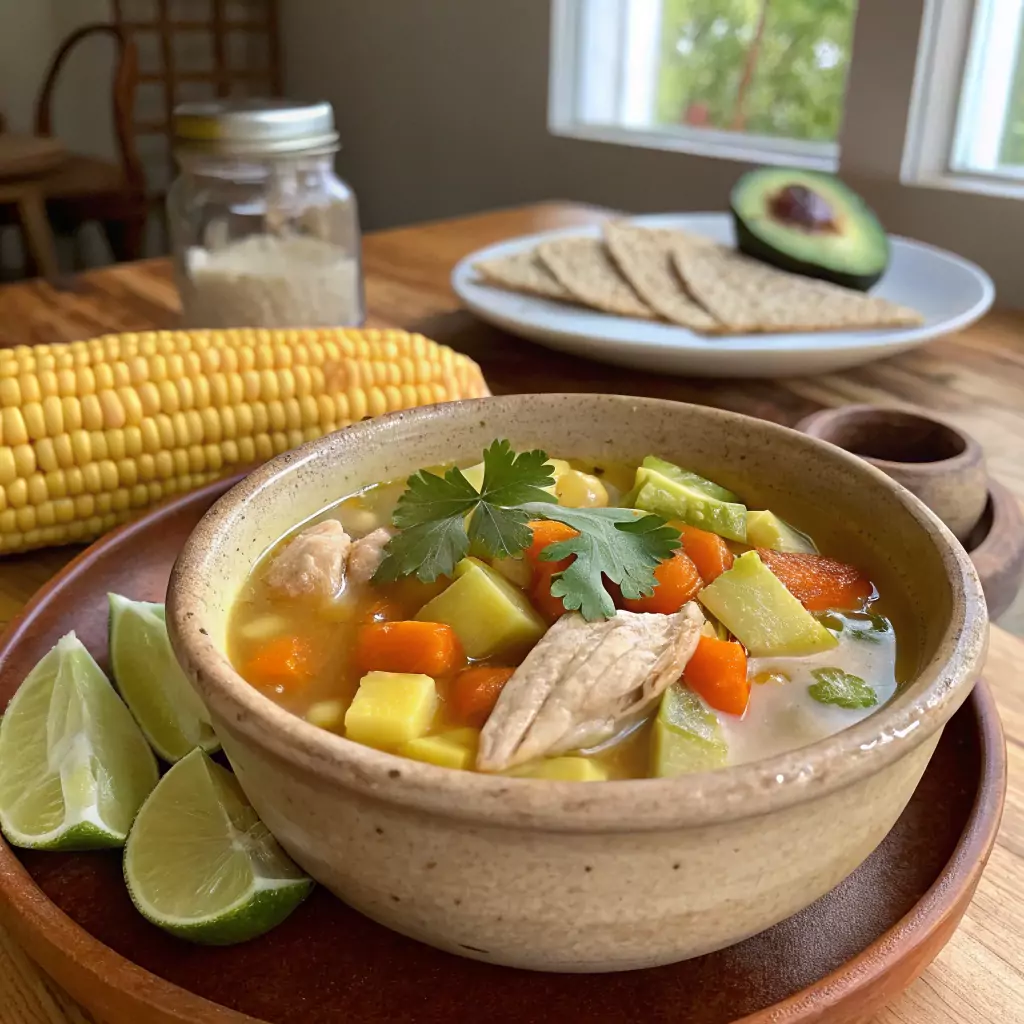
{"x":475,"y":691}
{"x":678,"y":582}
{"x":428,"y":647}
{"x":718,"y":672}
{"x":282,"y":664}
{"x":546,"y":532}
{"x":706,"y":550}
{"x":817,"y":582}
{"x":549,"y":606}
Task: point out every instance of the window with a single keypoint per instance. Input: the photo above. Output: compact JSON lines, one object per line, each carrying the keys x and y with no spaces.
{"x":989,"y":135}
{"x":750,"y":78}
{"x":933,"y":93}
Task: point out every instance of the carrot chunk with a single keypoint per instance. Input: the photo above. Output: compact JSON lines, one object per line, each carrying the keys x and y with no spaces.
{"x":678,"y":582}
{"x":706,"y":550}
{"x":718,"y":672}
{"x":475,"y":691}
{"x":284,"y":664}
{"x":546,"y":532}
{"x":430,"y":648}
{"x":817,"y":582}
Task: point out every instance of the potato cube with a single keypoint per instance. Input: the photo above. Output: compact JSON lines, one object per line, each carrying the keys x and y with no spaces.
{"x":453,"y":749}
{"x":490,"y":616}
{"x":327,"y":714}
{"x":561,"y":769}
{"x":391,"y":708}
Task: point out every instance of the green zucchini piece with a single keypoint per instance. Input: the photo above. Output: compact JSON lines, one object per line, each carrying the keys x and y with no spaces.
{"x":752,"y":603}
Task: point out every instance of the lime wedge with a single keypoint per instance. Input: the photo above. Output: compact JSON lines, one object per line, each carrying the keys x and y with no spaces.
{"x":152,"y":683}
{"x":74,"y":767}
{"x":201,"y":865}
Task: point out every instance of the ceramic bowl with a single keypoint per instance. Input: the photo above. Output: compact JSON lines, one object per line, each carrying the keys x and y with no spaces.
{"x":584,"y":876}
{"x":941,"y":464}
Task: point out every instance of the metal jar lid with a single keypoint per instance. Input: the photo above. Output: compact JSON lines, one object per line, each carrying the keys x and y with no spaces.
{"x":254,"y":128}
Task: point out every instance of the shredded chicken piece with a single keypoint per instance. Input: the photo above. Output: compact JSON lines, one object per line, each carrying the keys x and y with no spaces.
{"x":582,"y":680}
{"x":366,"y":555}
{"x":313,"y":564}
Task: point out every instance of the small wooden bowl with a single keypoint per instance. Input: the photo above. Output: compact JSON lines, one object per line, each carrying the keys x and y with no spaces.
{"x":942,"y":465}
{"x":996,"y":546}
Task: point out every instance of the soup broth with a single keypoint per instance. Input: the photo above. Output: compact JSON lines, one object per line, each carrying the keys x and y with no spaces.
{"x":313,"y":652}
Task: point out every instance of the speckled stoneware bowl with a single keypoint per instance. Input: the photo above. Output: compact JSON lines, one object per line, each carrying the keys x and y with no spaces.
{"x":585,"y":876}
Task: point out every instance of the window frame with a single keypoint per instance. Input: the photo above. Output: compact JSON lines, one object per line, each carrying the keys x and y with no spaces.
{"x":566,"y":71}
{"x":908,"y":61}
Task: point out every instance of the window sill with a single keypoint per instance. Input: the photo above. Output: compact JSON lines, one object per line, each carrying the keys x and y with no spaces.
{"x":973,"y":184}
{"x":753,"y":149}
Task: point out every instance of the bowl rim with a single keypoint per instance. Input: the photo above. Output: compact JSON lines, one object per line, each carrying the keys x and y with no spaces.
{"x":740,"y":791}
{"x":825,"y":423}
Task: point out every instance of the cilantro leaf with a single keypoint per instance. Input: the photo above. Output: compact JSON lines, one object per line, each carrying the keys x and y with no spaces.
{"x":430,"y":498}
{"x":500,"y":532}
{"x":613,"y":542}
{"x":834,"y":686}
{"x":427,"y":549}
{"x":511,"y":479}
{"x":441,"y":518}
{"x":432,"y":514}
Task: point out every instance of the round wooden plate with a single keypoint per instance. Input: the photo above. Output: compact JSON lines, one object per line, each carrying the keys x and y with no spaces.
{"x":837,"y":961}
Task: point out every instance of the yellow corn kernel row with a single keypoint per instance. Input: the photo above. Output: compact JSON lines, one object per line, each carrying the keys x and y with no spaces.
{"x":93,"y":431}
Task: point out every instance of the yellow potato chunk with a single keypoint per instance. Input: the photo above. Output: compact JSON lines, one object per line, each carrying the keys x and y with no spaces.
{"x":326,"y":714}
{"x":490,"y":616}
{"x":391,"y":708}
{"x":453,"y":749}
{"x":561,"y":769}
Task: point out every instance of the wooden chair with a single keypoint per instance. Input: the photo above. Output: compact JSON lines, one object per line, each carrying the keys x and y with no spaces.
{"x":85,"y":188}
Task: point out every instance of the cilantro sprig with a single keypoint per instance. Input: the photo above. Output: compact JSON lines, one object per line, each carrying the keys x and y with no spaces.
{"x":618,"y":543}
{"x":441,"y":518}
{"x":834,"y":686}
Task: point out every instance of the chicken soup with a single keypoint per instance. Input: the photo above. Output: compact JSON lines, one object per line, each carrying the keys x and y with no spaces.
{"x":556,"y":619}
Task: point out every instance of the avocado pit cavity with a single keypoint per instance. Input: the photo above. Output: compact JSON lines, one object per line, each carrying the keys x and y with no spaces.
{"x":799,"y":206}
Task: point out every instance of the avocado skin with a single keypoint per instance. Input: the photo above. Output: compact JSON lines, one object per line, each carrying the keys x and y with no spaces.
{"x":792,"y":249}
{"x":749,"y":244}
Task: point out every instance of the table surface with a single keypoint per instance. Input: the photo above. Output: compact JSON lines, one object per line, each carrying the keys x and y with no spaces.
{"x":975,"y":378}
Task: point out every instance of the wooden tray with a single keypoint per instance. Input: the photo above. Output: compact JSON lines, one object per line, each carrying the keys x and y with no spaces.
{"x":836,"y":962}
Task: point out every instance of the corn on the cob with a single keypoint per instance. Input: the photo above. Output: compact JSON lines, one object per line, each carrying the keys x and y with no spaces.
{"x":91,"y":432}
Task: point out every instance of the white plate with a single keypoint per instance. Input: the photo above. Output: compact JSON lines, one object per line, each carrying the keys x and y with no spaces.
{"x":948,"y":291}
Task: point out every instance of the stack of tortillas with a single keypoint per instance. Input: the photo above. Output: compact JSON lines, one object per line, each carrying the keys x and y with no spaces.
{"x":658,"y":273}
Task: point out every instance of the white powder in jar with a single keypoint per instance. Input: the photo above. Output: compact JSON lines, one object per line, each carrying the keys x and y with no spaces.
{"x":272,"y":281}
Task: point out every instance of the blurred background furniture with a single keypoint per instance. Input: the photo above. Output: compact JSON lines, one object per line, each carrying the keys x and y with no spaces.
{"x":79,"y":188}
{"x":24,"y":160}
{"x":116,"y":145}
{"x":193,"y":50}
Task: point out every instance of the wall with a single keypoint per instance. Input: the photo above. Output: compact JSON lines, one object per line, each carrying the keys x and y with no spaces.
{"x":442,"y":109}
{"x":26,"y":31}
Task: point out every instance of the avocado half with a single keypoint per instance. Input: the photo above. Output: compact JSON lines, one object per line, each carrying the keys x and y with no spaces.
{"x":809,"y":223}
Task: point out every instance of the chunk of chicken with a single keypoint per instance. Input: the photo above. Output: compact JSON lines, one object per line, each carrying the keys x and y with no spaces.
{"x":583,"y":680}
{"x":313,"y":564}
{"x":366,"y":555}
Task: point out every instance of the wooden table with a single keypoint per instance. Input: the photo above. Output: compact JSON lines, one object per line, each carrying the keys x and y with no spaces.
{"x":975,"y":378}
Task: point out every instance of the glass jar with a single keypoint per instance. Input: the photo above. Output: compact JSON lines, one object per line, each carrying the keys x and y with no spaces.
{"x":264,"y":234}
